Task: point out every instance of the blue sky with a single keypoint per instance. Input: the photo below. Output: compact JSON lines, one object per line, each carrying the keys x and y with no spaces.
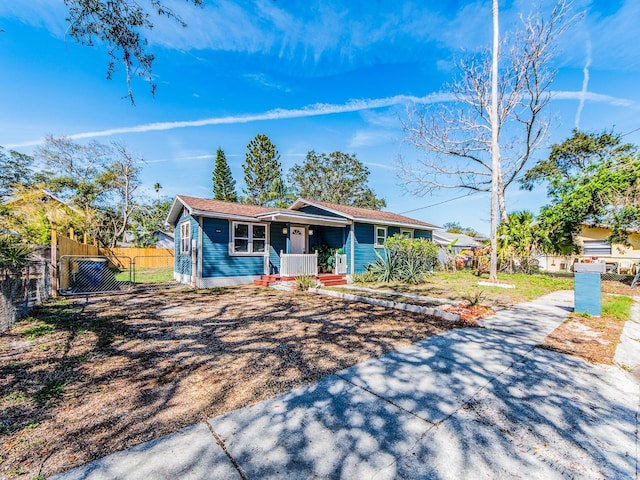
{"x":314,"y":75}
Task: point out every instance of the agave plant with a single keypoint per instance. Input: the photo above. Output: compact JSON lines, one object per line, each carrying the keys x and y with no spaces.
{"x":385,"y":268}
{"x":14,"y":255}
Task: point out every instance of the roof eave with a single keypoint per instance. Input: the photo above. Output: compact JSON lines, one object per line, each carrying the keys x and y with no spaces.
{"x":378,"y":221}
{"x":174,"y":212}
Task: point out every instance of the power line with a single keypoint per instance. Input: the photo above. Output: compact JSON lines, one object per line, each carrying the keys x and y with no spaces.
{"x":628,"y":133}
{"x":440,"y":203}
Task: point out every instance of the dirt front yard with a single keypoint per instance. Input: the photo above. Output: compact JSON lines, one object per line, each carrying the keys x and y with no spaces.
{"x":86,"y":377}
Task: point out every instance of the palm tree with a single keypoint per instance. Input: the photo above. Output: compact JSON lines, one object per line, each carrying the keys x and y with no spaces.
{"x":518,"y":239}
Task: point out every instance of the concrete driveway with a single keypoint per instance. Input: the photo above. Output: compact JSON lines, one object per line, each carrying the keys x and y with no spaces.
{"x":471,"y":403}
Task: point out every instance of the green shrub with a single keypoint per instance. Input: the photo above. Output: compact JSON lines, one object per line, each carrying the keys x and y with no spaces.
{"x":408,"y":260}
{"x":304,"y":282}
{"x":364,"y":277}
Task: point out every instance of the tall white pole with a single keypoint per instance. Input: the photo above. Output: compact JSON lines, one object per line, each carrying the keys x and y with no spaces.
{"x":495,"y":148}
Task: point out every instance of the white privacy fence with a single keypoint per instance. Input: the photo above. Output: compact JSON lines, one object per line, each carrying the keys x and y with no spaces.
{"x":296,"y":264}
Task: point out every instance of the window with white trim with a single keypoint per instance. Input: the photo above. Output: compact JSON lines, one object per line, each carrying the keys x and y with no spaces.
{"x":406,"y":233}
{"x":248,"y":238}
{"x":380,"y":236}
{"x":185,"y":238}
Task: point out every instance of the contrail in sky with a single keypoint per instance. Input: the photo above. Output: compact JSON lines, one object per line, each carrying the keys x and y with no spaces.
{"x":585,"y":83}
{"x":316,"y":110}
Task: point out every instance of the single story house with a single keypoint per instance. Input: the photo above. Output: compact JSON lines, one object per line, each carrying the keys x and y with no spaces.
{"x":222,"y":243}
{"x":595,"y":246}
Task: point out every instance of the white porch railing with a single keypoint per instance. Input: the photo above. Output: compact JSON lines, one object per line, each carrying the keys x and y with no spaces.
{"x":295,"y":264}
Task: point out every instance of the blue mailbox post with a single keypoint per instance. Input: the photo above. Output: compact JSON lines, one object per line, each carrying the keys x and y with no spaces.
{"x":587,"y":287}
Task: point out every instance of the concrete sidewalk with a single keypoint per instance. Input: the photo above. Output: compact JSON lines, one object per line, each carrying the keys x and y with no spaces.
{"x":471,"y":403}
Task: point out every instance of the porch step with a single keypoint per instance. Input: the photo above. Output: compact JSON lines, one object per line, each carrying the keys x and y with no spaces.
{"x":265,"y":280}
{"x":330,"y":280}
{"x":334,"y":283}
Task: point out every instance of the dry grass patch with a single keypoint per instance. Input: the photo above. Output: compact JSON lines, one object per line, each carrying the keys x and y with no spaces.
{"x":83,"y":379}
{"x":593,"y":338}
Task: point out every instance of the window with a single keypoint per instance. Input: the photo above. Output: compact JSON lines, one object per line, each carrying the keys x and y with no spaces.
{"x":406,"y":233}
{"x":596,"y":248}
{"x":381,"y":236}
{"x":248,"y":238}
{"x":185,"y":238}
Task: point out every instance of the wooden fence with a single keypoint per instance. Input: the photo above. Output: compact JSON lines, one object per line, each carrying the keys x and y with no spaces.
{"x":144,"y":257}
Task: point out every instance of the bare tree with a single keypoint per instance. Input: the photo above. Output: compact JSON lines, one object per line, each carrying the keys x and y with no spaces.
{"x":121,"y":180}
{"x":457,"y":136}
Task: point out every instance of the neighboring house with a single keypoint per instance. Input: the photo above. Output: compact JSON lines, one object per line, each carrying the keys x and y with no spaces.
{"x":225,"y":243}
{"x":595,"y":247}
{"x":462,"y":242}
{"x":164,"y":239}
{"x":453,"y":243}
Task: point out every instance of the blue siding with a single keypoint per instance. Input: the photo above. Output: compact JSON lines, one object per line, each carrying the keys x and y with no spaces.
{"x":216,"y":261}
{"x":278,"y":242}
{"x":330,"y":236}
{"x":182,"y":263}
{"x":319,"y":211}
{"x":364,"y":249}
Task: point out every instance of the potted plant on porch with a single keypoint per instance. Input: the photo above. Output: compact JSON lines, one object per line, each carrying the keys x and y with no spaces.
{"x":326,"y":258}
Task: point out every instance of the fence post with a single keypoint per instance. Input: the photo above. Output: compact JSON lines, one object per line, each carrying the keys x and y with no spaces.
{"x":54,"y":259}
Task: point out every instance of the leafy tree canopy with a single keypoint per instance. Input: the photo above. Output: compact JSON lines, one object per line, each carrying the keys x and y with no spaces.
{"x":261,"y":168}
{"x":592,"y":179}
{"x":15,"y":171}
{"x":455,"y":227}
{"x":120,"y":24}
{"x":337,"y":178}
{"x":573,"y":156}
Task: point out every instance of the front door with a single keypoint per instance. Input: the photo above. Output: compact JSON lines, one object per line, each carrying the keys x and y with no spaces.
{"x":298,"y":240}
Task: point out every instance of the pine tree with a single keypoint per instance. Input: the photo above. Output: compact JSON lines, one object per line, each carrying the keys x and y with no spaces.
{"x":224,"y":186}
{"x":261,"y":168}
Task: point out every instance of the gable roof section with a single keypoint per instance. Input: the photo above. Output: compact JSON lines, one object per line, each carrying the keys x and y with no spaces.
{"x":365,"y":215}
{"x":215,"y":209}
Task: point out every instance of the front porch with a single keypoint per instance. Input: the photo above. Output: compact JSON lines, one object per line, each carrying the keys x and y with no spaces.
{"x":327,"y":279}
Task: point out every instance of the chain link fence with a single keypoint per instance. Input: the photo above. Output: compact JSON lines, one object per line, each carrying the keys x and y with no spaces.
{"x":96,"y":274}
{"x":20,"y":293}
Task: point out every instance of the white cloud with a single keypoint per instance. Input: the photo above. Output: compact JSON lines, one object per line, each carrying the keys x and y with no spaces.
{"x":266,"y":82}
{"x":371,"y":138}
{"x":594,"y":97}
{"x":38,"y":13}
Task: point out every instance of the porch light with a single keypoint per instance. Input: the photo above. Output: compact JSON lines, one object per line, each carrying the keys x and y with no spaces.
{"x":284,"y":231}
{"x":310,"y":232}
